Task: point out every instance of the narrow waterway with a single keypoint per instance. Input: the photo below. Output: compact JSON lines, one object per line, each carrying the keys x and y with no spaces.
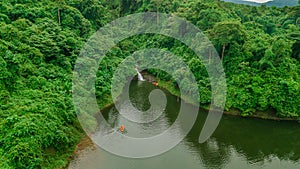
{"x":237,"y":143}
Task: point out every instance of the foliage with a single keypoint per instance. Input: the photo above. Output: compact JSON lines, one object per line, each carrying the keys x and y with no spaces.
{"x":38,"y":125}
{"x":258,"y":47}
{"x":40,"y":41}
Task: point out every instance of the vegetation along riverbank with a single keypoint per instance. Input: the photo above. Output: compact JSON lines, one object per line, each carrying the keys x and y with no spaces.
{"x":41,"y":40}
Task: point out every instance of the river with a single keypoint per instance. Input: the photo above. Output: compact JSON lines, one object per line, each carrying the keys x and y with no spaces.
{"x":237,"y":143}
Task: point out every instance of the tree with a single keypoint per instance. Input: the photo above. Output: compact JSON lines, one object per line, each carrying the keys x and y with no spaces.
{"x":225,"y":33}
{"x":60,"y":4}
{"x":158,"y":6}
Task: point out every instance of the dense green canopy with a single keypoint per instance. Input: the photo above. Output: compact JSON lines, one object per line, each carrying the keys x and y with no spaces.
{"x":40,"y":41}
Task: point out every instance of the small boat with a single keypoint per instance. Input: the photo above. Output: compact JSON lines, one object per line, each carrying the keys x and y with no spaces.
{"x":122,"y":129}
{"x":155,"y":83}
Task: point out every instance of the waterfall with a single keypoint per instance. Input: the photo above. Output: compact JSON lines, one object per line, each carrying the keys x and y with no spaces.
{"x":140,"y":77}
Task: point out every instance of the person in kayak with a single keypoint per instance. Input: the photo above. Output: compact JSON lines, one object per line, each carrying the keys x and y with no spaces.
{"x":122,"y":128}
{"x":155,"y":83}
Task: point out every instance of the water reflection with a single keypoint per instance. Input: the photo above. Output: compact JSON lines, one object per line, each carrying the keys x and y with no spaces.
{"x":237,"y":142}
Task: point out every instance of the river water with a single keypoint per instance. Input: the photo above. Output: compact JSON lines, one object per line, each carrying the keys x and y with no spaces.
{"x":238,"y":143}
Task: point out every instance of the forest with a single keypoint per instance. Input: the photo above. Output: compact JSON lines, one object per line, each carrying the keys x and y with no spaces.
{"x":40,"y":41}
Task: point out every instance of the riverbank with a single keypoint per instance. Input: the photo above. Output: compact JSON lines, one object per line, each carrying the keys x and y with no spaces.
{"x":107,"y":102}
{"x":167,"y":85}
{"x":267,"y":115}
